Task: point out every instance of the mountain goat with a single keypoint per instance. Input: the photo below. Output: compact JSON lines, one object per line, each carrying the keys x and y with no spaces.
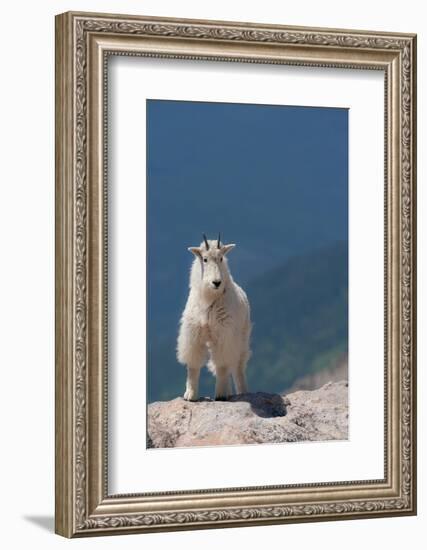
{"x":215,"y":323}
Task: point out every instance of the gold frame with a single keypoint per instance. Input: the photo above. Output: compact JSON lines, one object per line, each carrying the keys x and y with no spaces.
{"x":83,"y":505}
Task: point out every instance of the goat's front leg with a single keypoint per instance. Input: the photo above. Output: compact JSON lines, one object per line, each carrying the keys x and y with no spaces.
{"x":222,"y":385}
{"x":191,"y":352}
{"x":192,"y":385}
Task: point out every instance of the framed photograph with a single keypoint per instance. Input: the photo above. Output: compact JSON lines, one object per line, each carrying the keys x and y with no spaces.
{"x":235,"y":274}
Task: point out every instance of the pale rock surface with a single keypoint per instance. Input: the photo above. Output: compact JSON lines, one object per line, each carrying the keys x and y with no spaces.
{"x":319,"y":415}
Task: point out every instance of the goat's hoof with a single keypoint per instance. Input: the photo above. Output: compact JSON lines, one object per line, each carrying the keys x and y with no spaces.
{"x":190,"y":396}
{"x":221,"y":398}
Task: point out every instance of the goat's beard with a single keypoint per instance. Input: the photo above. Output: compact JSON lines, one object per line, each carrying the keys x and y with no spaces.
{"x":209,"y":293}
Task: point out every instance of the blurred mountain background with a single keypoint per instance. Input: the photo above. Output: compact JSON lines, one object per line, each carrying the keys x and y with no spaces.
{"x":274,"y":180}
{"x":299,"y":313}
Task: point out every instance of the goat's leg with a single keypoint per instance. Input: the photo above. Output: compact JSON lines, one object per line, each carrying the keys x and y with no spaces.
{"x":192,"y":385}
{"x":222,"y":385}
{"x":191,"y":352}
{"x":239,"y":377}
{"x":240,"y":383}
{"x":229,"y":386}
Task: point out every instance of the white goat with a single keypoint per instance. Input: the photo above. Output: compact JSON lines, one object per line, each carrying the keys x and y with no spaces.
{"x":215,"y":322}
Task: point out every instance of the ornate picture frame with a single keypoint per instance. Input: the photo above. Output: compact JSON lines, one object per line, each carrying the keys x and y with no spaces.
{"x":84,"y":506}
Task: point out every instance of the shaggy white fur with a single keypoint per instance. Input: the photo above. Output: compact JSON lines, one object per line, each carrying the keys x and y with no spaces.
{"x":215,"y":325}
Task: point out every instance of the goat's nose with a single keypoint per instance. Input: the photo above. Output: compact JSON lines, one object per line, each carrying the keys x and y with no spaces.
{"x":216,"y":283}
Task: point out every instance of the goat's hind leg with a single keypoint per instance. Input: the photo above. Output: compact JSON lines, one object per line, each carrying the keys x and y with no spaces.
{"x":219,"y":368}
{"x":239,"y":376}
{"x":222,"y":384}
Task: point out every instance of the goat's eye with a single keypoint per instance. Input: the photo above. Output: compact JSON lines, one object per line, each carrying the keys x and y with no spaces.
{"x":221,"y":260}
{"x":205,"y":260}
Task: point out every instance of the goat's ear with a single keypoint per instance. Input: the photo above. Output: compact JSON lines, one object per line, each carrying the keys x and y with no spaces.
{"x":195,"y":250}
{"x":227,"y":247}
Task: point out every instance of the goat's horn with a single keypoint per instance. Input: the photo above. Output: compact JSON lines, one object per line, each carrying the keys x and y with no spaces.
{"x":206,"y":241}
{"x":219,"y":240}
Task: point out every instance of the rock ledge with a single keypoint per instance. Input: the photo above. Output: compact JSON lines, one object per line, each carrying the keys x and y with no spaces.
{"x":318,"y":415}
